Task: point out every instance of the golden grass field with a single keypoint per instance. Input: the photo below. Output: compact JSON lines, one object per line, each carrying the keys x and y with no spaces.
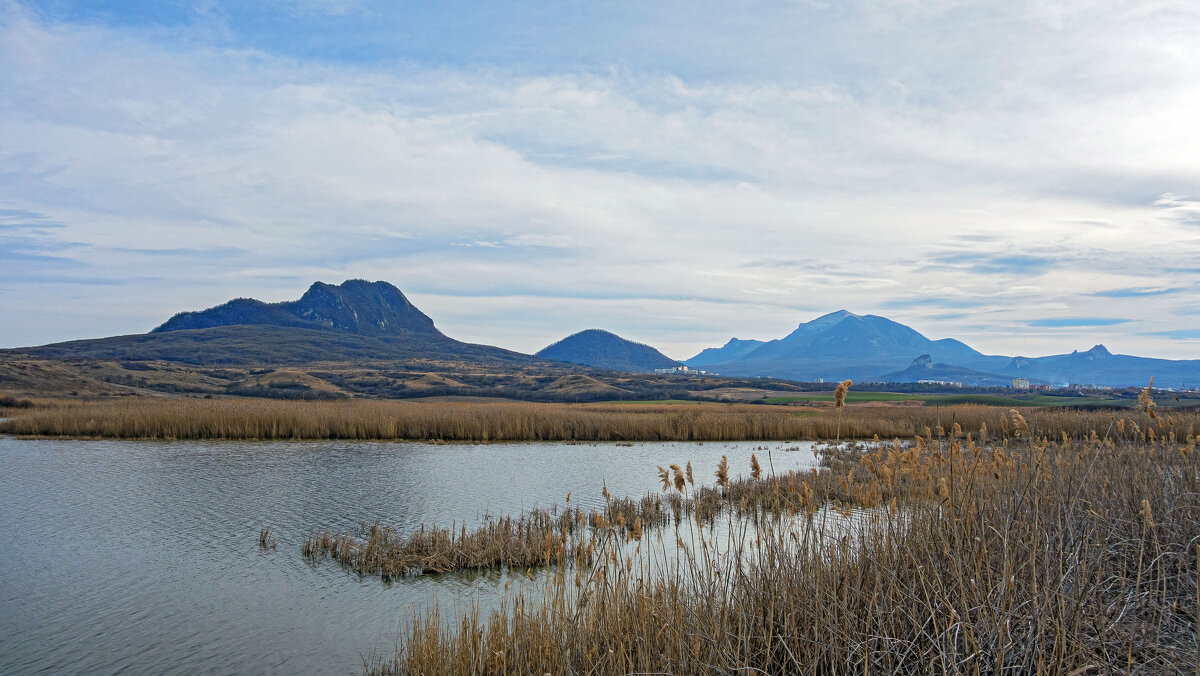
{"x":241,"y":418}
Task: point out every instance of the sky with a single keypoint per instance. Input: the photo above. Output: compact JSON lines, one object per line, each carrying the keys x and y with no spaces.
{"x":1022,"y":176}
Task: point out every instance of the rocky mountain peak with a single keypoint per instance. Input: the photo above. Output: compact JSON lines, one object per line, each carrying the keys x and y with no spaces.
{"x":355,"y":306}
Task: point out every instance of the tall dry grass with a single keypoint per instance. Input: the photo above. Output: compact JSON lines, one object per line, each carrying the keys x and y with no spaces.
{"x":537,"y":538}
{"x":1035,"y":551}
{"x":480,"y":421}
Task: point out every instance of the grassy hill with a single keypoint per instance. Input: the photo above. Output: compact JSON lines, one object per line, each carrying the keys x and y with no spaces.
{"x":603,"y":349}
{"x":269,"y":345}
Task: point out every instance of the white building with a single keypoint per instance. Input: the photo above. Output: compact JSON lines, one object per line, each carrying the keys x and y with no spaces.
{"x":681,"y":369}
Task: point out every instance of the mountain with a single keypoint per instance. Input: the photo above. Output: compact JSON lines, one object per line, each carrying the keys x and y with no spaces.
{"x":734,"y":349}
{"x":870,"y":348}
{"x":602,"y":349}
{"x":356,"y":339}
{"x":359,"y":321}
{"x":923,"y":369}
{"x":354,"y":321}
{"x":838,"y":345}
{"x":1100,"y":367}
{"x":355,"y":306}
{"x":843,"y":335}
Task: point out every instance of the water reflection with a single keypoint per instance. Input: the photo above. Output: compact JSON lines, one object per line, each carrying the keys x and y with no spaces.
{"x":144,"y":556}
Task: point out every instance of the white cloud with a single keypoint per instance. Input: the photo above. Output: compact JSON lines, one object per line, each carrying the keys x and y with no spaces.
{"x":624,"y":192}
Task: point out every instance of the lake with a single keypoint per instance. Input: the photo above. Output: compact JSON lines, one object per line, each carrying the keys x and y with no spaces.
{"x":143,"y":557}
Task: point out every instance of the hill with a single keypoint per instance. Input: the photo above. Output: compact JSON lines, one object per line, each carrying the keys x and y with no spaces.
{"x":923,"y":369}
{"x":871,"y":348}
{"x":602,"y":349}
{"x":734,"y":349}
{"x":252,"y":345}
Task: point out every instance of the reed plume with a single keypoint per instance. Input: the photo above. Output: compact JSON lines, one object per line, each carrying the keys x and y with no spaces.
{"x":839,"y":402}
{"x":665,"y":477}
{"x":680,"y":480}
{"x":1020,"y":426}
{"x":1146,"y":402}
{"x":723,"y":473}
{"x":755,"y":468}
{"x":839,"y":395}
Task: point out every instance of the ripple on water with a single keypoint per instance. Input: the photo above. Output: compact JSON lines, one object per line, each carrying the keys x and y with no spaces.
{"x":143,"y":557}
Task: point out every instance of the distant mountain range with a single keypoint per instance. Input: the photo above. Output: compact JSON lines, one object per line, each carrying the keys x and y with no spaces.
{"x":876,"y":349}
{"x":602,"y":349}
{"x":360,"y":321}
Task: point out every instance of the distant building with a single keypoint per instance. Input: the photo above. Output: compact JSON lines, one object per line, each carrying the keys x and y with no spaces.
{"x":681,"y":369}
{"x":947,"y":383}
{"x":1020,"y":383}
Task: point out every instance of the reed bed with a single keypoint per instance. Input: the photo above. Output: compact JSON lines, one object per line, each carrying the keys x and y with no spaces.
{"x":1016,"y":552}
{"x":539,"y":537}
{"x":536,"y":538}
{"x":476,"y":421}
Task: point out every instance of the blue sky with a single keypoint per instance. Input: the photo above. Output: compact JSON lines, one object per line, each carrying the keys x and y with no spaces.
{"x":1022,"y":176}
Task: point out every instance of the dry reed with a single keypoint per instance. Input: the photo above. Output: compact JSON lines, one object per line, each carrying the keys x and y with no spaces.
{"x":535,"y":538}
{"x":1058,"y":552}
{"x":476,"y":421}
{"x":266,"y":539}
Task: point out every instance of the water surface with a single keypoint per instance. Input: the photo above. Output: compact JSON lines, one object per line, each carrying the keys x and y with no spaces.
{"x":143,"y":557}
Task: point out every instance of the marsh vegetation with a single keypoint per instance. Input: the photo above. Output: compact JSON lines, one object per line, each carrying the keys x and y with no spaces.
{"x":142,"y":418}
{"x":964,"y":539}
{"x":1008,"y":549}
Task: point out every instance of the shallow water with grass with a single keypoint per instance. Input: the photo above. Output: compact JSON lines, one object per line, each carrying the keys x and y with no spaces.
{"x":144,"y":557}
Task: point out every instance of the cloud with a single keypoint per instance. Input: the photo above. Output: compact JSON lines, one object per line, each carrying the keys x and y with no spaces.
{"x":858,"y":155}
{"x":20,"y":219}
{"x":1181,"y":209}
{"x":11,"y":255}
{"x":210,"y":252}
{"x":1178,"y":334}
{"x":1014,"y":264}
{"x":1138,"y":292}
{"x":902,"y":303}
{"x":326,"y":7}
{"x":1074,"y":322}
